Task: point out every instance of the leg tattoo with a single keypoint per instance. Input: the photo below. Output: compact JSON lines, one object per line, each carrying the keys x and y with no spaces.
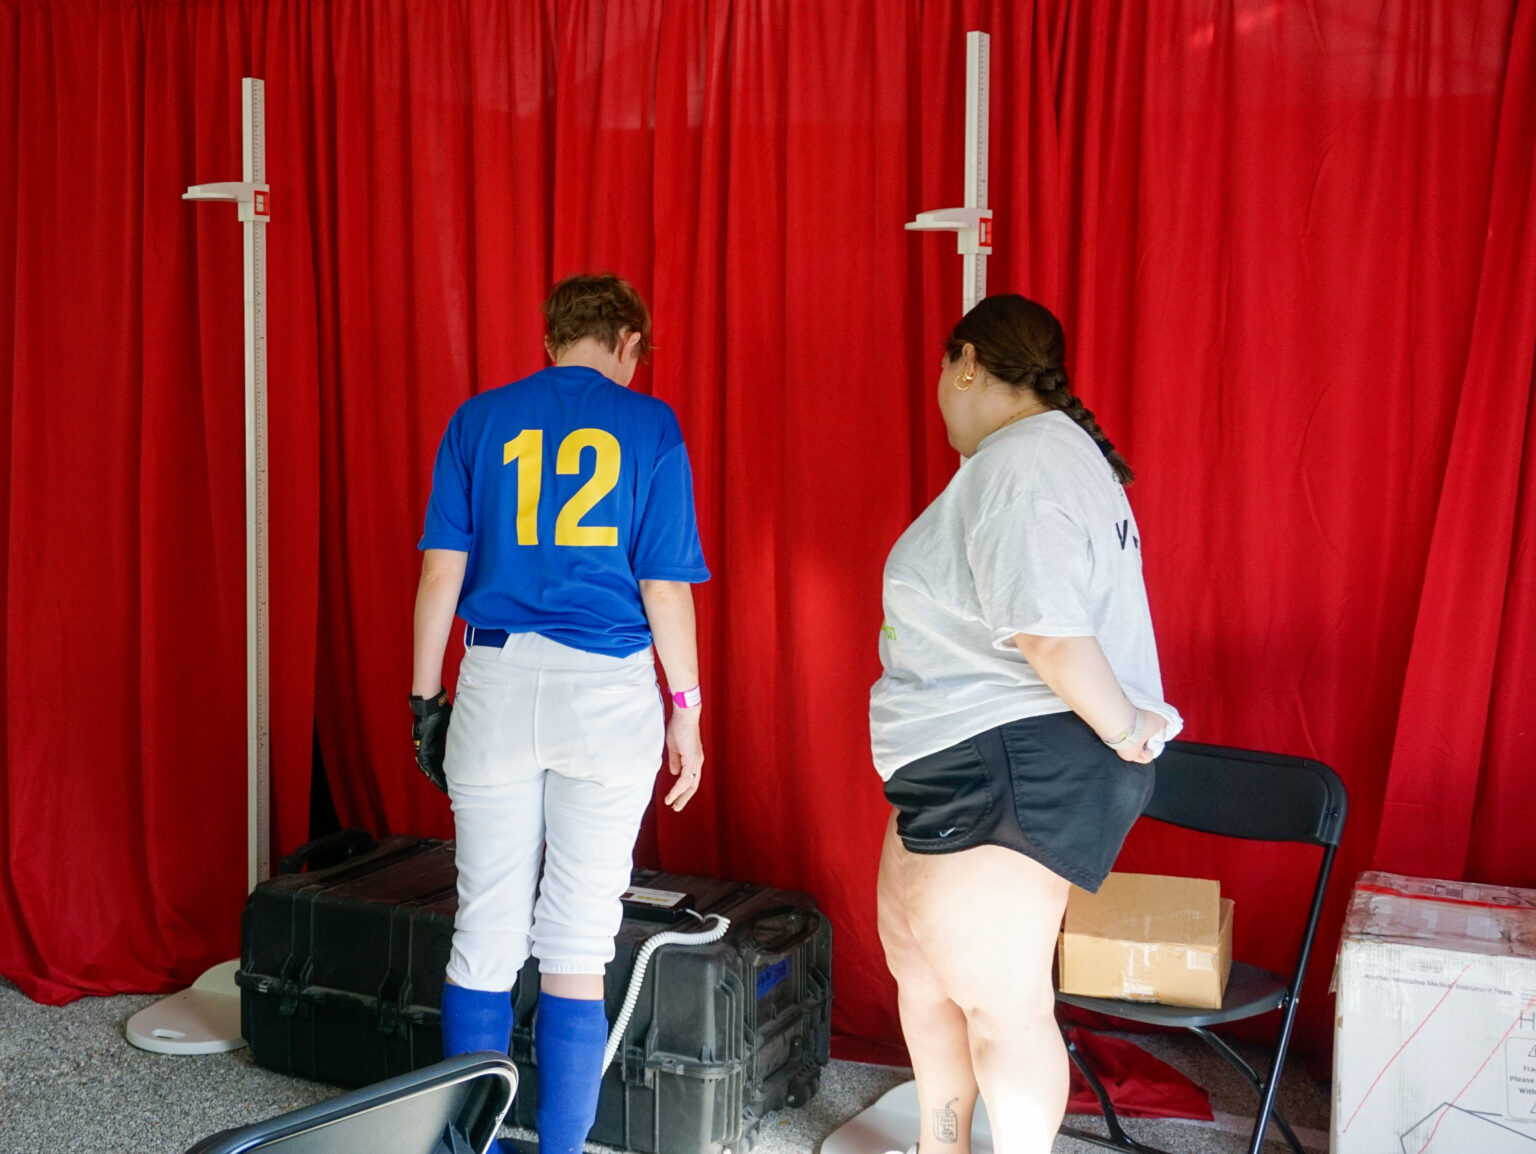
{"x":946,"y":1125}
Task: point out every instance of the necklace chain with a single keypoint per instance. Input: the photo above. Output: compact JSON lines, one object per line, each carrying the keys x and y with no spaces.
{"x":1022,"y":413}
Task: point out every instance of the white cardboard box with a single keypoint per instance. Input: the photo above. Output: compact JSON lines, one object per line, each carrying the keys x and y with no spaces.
{"x":1435,"y":1034}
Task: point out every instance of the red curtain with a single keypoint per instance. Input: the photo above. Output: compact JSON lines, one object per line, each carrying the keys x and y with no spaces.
{"x":1294,"y":247}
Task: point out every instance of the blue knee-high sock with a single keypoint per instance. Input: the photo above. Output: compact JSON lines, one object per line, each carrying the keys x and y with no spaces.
{"x":568,"y":1040}
{"x":475,"y":1020}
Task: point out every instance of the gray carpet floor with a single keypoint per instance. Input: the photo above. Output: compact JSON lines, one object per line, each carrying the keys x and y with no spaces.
{"x":71,"y":1084}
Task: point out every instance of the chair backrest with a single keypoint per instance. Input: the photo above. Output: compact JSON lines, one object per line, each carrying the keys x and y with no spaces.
{"x":453,"y":1107}
{"x":1243,"y":793}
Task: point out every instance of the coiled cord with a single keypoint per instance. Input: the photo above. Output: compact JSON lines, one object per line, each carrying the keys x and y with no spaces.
{"x":643,"y":959}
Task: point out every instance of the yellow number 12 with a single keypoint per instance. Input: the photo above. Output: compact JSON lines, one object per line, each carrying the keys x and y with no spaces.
{"x":527,"y":449}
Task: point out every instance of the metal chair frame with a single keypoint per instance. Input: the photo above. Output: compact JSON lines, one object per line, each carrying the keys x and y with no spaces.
{"x":1256,"y":796}
{"x":453,"y":1107}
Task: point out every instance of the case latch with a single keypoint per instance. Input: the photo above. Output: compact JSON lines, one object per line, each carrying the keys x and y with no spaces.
{"x":389,"y":1017}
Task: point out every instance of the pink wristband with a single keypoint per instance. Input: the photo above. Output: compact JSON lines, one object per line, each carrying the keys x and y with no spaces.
{"x":688,"y":698}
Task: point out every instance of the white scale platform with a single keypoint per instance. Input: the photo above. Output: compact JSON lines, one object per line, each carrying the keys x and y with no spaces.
{"x":891,"y":1125}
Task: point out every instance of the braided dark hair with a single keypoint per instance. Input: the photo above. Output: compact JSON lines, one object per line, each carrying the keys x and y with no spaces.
{"x":1022,"y":343}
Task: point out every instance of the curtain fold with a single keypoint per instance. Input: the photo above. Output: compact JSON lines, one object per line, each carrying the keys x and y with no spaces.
{"x":1452,"y":772}
{"x":123,"y":764}
{"x":1294,"y":248}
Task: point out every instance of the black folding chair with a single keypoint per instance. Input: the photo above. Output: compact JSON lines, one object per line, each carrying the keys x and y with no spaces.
{"x":453,"y":1107}
{"x":1261,"y":797}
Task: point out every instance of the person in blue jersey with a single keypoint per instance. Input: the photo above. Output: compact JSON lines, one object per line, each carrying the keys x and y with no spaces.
{"x":561,"y":528}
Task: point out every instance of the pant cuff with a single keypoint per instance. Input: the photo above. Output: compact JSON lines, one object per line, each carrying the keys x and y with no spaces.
{"x":572,"y":966}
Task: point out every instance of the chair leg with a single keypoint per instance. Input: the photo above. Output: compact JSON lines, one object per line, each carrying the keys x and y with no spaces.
{"x":1118,"y":1139}
{"x":1265,"y":1090}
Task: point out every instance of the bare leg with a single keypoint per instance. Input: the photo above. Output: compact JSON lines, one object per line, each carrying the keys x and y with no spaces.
{"x":933,"y":1025}
{"x":587,"y":987}
{"x":985,"y":919}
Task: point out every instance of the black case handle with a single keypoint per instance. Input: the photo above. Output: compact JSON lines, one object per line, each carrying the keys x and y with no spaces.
{"x":343,"y":845}
{"x":799,"y":923}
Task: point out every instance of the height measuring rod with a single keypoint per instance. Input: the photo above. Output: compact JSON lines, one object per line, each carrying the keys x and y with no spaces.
{"x":205,"y":1019}
{"x":971,"y":223}
{"x":251,"y":198}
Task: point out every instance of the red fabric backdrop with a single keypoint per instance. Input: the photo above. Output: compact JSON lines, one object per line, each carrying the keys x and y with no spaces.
{"x":1294,"y":246}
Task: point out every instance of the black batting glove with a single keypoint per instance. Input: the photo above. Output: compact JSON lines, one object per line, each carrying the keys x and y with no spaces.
{"x":429,"y":733}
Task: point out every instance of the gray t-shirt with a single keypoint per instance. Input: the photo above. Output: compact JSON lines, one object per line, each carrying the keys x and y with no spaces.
{"x":1033,"y":535}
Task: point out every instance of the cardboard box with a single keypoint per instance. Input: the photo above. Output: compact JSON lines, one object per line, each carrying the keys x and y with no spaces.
{"x":1435,"y":1035}
{"x":1148,"y":939}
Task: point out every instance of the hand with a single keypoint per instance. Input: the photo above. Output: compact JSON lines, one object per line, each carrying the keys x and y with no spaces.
{"x":1151,"y":724}
{"x":685,"y":757}
{"x":429,"y":733}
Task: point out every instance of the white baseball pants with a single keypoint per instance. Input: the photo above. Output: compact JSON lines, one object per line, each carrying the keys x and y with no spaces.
{"x":552,"y":755}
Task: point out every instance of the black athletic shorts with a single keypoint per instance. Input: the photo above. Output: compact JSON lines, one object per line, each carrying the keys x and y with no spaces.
{"x":1044,"y":786}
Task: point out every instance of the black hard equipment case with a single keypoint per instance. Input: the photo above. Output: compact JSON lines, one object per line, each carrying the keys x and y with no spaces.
{"x":341,"y":978}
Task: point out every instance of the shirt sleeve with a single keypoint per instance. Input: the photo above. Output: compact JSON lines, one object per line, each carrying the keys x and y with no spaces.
{"x":1030,"y":562}
{"x":667,"y":546}
{"x":450,"y":524}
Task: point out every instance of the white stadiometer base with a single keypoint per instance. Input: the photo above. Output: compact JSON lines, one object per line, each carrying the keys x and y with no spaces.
{"x":891,"y":1124}
{"x":204,"y":1019}
{"x":890,"y":1127}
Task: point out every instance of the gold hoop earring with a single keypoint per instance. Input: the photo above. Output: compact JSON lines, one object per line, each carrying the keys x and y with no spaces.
{"x":969,"y":378}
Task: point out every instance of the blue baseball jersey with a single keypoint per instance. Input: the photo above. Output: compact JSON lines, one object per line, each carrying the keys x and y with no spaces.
{"x":566,"y":490}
